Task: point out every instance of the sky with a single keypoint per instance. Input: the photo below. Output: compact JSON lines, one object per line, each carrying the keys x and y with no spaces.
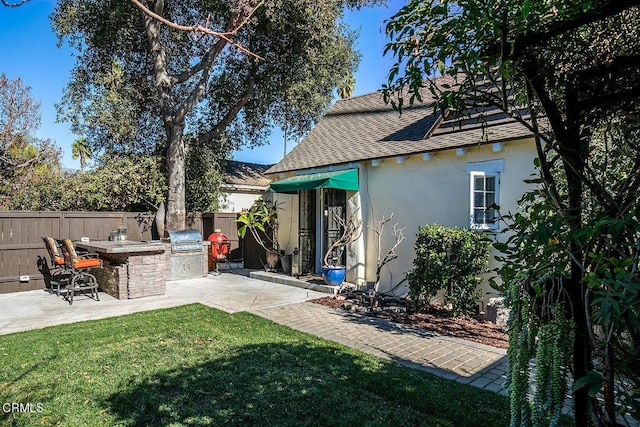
{"x":29,"y":50}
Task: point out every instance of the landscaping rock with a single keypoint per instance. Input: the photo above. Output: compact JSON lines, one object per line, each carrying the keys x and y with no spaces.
{"x":396,"y":309}
{"x":496,"y":312}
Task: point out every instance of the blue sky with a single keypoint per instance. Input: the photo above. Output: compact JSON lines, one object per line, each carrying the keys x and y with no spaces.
{"x":29,"y":51}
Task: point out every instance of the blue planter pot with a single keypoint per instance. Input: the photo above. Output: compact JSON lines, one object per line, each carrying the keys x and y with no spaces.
{"x":334,"y":276}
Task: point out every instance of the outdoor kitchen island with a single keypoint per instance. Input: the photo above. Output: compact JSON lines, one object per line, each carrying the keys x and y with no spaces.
{"x":130,"y":269}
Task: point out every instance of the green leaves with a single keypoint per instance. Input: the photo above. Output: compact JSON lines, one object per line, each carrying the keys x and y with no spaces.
{"x":593,"y":381}
{"x":581,"y":219}
{"x":449,"y":260}
{"x":261,"y":221}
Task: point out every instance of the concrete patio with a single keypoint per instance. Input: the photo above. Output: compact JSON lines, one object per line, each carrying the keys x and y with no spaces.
{"x":228,"y":292}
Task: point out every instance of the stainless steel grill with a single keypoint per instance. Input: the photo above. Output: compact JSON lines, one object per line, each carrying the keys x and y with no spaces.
{"x":188,"y":255}
{"x":186,"y":241}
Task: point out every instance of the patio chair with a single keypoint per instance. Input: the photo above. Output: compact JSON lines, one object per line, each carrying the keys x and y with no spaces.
{"x":59,"y":274}
{"x":81,"y":280}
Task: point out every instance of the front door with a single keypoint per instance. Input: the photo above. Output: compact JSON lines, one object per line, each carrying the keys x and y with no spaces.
{"x":319,"y":228}
{"x":307,"y":232}
{"x":334,"y":216}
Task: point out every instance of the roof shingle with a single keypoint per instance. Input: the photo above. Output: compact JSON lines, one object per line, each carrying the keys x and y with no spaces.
{"x":364,"y":127}
{"x":243,"y":173}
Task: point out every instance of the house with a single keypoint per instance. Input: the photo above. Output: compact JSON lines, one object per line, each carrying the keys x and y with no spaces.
{"x":364,"y":158}
{"x":243,"y":183}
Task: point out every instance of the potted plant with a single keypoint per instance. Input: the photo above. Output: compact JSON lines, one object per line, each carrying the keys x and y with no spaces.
{"x":334,"y":274}
{"x":262,"y":221}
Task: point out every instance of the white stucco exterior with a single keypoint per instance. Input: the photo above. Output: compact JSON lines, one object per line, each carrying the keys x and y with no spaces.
{"x":436,"y":191}
{"x":418,"y":189}
{"x":238,"y":201}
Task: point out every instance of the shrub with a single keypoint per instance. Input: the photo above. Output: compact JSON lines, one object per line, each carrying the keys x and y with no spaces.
{"x":448,"y":260}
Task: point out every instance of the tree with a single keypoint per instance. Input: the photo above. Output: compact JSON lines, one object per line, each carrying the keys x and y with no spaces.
{"x":171,"y":82}
{"x":346,"y":88}
{"x":535,"y":264}
{"x":566,"y":71}
{"x":24,"y":159}
{"x":133,"y":183}
{"x":80,"y":149}
{"x":19,"y":118}
{"x":204,"y":177}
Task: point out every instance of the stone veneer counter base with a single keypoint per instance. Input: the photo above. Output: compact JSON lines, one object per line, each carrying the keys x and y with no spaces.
{"x":131,"y":269}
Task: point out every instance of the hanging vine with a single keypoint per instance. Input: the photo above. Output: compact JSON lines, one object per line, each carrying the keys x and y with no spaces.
{"x":540,"y":342}
{"x":540,"y":329}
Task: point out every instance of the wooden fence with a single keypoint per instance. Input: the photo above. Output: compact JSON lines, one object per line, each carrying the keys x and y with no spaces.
{"x":23,"y":257}
{"x":247,"y":249}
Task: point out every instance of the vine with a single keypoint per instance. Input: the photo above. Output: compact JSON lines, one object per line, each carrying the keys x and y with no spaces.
{"x":540,"y":338}
{"x":540,"y":329}
{"x":552,"y":359}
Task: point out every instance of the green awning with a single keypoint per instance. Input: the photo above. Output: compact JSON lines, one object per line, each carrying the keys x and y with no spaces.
{"x":341,"y":180}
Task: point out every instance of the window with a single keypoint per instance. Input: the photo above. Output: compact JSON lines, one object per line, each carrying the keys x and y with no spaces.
{"x":484,"y":198}
{"x":484,"y":194}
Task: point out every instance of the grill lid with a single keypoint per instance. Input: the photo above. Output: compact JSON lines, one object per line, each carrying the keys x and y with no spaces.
{"x":185,"y":240}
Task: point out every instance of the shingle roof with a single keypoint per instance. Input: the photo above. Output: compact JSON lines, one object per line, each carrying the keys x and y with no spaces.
{"x":242,"y":173}
{"x":364,"y":127}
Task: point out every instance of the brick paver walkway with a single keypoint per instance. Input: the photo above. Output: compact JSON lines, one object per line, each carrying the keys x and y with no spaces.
{"x":460,"y":360}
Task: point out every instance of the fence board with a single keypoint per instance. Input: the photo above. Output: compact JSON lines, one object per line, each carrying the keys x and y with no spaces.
{"x":226,"y":223}
{"x":22,"y":251}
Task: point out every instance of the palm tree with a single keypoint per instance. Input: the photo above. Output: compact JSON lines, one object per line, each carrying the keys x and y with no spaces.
{"x":345,"y":90}
{"x":80,"y":148}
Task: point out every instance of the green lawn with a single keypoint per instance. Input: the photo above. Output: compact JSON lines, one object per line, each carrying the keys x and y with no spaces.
{"x":195,"y":365}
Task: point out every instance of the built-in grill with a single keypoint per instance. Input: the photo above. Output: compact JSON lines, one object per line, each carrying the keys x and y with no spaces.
{"x":188,"y":255}
{"x":186,"y":241}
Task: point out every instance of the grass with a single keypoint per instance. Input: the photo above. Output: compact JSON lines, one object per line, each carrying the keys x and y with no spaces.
{"x":194,"y":365}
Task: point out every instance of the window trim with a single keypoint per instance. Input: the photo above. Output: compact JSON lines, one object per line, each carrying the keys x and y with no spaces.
{"x":484,"y":169}
{"x":482,"y":226}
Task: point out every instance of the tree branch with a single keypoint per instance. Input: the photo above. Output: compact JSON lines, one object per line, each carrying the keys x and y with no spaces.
{"x":540,"y":38}
{"x":229,"y":117}
{"x":161,"y":75}
{"x":550,"y":107}
{"x":206,"y":61}
{"x":20,"y":3}
{"x":398,"y":234}
{"x":351,"y":231}
{"x":547,"y":177}
{"x":197,"y":28}
{"x":233,"y":26}
{"x":9,"y":162}
{"x":207,"y":68}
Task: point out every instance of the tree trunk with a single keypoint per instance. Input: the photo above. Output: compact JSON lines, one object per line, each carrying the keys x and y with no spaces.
{"x":173,"y":124}
{"x":573,"y":154}
{"x":161,"y":217}
{"x":577,"y":293}
{"x":176,"y":164}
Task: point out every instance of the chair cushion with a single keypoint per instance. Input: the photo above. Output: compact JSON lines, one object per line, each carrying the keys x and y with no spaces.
{"x":71,"y":251}
{"x":86,"y":263}
{"x":52,"y":247}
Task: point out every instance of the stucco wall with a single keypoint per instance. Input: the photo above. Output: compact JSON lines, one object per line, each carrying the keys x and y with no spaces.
{"x":287,"y":220}
{"x":417,"y":192}
{"x":420,"y":192}
{"x":236,"y":202}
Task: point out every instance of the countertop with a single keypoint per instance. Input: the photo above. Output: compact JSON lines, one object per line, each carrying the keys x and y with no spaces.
{"x":119,"y":246}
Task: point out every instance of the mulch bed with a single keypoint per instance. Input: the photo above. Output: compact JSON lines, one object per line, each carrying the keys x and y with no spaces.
{"x":437,"y":320}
